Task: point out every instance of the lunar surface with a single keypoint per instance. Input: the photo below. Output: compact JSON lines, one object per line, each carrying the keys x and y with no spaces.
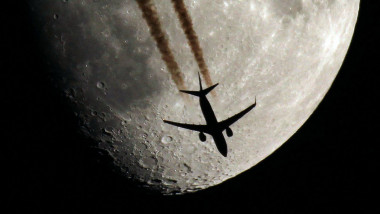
{"x":104,"y":58}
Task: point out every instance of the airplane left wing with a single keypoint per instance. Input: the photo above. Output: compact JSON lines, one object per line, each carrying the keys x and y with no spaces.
{"x":226,"y":123}
{"x":199,"y":128}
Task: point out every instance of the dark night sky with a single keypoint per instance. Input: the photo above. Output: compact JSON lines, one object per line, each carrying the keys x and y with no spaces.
{"x":329,"y":164}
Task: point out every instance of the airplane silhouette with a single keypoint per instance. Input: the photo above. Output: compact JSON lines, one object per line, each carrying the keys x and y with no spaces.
{"x":213,"y":127}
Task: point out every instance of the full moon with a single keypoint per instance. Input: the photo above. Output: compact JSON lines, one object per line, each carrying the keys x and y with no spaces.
{"x":104,"y":58}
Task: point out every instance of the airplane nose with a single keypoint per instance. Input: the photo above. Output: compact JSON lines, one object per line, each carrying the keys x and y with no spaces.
{"x":221,"y":145}
{"x":224,"y":153}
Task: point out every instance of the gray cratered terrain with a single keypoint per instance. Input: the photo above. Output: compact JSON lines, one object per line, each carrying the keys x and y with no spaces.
{"x":103,"y":57}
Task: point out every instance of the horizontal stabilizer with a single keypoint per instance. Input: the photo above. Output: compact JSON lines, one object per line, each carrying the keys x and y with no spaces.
{"x":195,"y":93}
{"x":201,"y":92}
{"x":207,"y":90}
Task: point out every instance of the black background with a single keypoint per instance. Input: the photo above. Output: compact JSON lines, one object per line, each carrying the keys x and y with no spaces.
{"x":329,"y":165}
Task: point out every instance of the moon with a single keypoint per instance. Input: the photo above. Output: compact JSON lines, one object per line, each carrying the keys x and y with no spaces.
{"x":103,"y":58}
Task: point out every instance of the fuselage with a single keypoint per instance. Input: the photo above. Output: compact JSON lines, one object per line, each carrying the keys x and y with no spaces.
{"x":207,"y":111}
{"x":212,"y":122}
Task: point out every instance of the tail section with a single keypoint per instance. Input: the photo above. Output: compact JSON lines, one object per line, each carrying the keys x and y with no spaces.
{"x":201,"y":91}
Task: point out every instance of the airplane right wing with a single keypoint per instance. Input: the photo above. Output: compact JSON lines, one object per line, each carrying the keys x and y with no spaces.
{"x":226,"y":123}
{"x":199,"y":128}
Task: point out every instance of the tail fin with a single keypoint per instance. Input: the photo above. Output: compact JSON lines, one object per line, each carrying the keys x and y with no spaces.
{"x":201,"y":91}
{"x":200,"y":82}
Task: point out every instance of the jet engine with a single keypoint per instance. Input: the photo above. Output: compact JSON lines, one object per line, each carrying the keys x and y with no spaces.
{"x":202,"y":137}
{"x":229,"y":132}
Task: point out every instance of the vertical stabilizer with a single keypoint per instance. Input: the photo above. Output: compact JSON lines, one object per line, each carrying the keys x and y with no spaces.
{"x":200,"y":82}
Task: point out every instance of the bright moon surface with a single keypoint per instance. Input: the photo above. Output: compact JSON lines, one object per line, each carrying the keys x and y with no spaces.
{"x":103,"y":57}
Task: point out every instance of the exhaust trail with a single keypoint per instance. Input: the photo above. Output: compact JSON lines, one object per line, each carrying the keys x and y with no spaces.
{"x":192,"y":38}
{"x":151,"y":17}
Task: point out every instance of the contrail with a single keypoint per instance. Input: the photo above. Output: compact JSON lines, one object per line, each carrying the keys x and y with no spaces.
{"x":192,"y":38}
{"x":151,"y":17}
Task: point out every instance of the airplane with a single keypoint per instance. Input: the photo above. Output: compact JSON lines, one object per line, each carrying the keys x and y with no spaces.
{"x":212,"y":127}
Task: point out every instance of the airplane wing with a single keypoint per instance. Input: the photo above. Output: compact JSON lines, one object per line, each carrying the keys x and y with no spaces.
{"x":199,"y":128}
{"x":226,"y":123}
